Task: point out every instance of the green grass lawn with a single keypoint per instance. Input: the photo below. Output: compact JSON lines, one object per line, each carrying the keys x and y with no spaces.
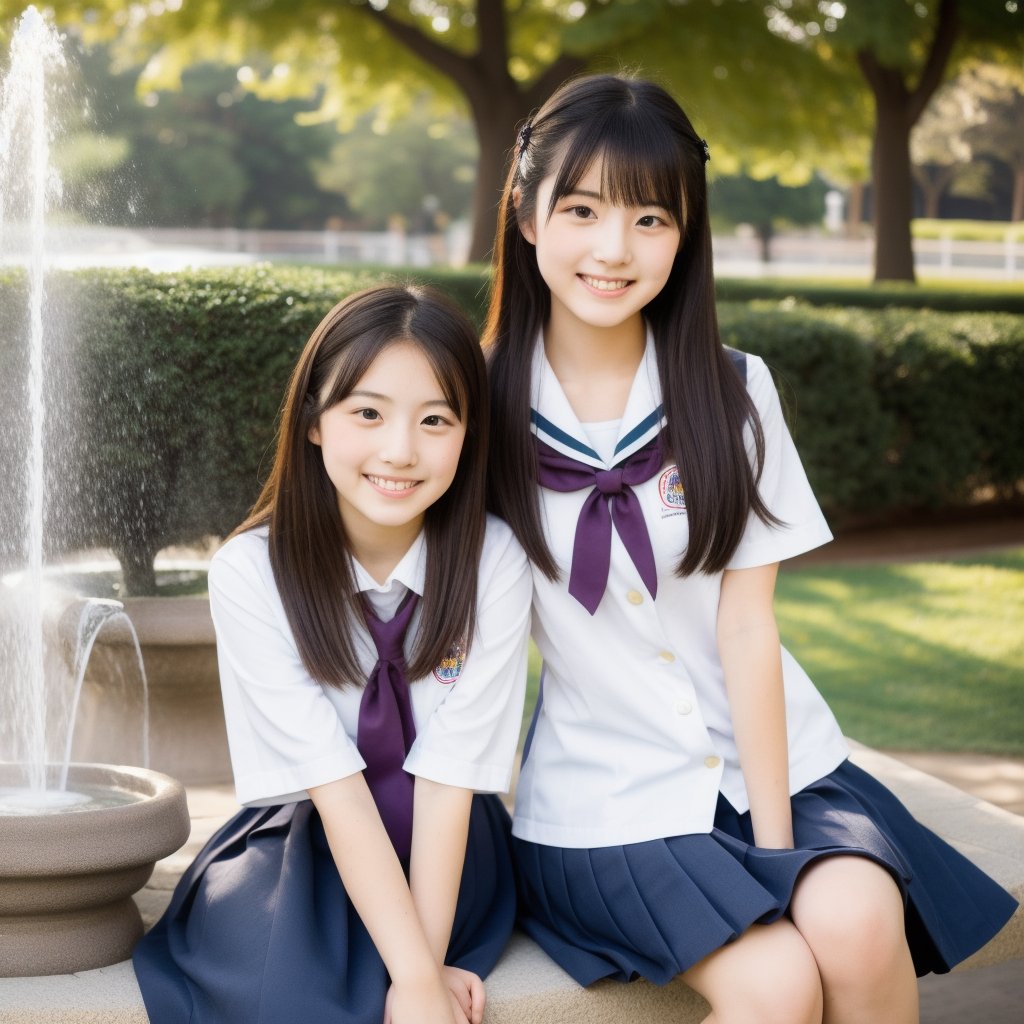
{"x":968,"y":230}
{"x":915,"y":656}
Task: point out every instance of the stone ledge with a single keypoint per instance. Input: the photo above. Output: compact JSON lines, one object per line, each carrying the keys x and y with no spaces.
{"x":527,"y":986}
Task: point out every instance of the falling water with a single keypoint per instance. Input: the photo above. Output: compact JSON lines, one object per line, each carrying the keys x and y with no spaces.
{"x":96,"y":613}
{"x":25,"y":176}
{"x":38,"y":712}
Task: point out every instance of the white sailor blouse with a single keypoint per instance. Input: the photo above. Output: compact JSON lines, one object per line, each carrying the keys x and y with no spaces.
{"x":288,"y":732}
{"x":632,"y":737}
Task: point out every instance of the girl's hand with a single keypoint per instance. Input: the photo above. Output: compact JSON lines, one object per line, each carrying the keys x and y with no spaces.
{"x":468,"y":992}
{"x":427,"y":1002}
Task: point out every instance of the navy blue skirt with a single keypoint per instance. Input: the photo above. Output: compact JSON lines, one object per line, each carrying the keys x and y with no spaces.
{"x":260,"y":929}
{"x":655,"y":909}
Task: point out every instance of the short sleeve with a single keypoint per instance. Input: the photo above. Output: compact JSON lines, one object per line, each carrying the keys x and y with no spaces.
{"x":783,"y":486}
{"x":470,"y":738}
{"x":284,"y":733}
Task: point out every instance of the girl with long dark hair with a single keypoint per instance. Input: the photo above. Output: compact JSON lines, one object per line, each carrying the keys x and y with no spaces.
{"x":371,"y":631}
{"x":686,"y":804}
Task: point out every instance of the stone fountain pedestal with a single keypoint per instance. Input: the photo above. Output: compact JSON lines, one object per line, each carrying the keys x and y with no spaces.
{"x":187,"y":735}
{"x":67,"y":878}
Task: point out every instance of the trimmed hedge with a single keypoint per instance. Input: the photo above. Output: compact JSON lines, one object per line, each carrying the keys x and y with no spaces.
{"x":895,"y":411}
{"x":983,"y":298}
{"x":164,"y":389}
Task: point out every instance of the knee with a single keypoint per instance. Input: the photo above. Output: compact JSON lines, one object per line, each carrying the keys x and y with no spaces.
{"x":790,"y":993}
{"x":769,"y":976}
{"x":856,"y":930}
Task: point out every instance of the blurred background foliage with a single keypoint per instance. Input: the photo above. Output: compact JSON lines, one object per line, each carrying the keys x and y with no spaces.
{"x":787,"y":90}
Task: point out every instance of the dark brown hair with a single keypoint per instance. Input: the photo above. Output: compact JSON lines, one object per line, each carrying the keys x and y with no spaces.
{"x":650,"y":152}
{"x":309,"y":550}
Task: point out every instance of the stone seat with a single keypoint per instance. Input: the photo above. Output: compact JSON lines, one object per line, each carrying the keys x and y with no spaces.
{"x":527,"y":988}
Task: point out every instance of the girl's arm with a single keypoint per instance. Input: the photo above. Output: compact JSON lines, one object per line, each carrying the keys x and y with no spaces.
{"x":375,"y":882}
{"x":748,"y":645}
{"x":439,"y":834}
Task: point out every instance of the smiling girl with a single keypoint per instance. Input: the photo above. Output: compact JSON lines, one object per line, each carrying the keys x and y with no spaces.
{"x":686,"y":806}
{"x":371,"y":632}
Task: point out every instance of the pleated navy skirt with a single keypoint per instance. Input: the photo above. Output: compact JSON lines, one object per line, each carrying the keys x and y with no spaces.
{"x":654,"y":909}
{"x":260,"y":929}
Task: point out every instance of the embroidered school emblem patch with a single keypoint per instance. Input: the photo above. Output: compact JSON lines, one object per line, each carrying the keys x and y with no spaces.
{"x":671,"y":490}
{"x":451,"y":664}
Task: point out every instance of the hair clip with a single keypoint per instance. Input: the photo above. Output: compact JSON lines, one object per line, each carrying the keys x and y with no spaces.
{"x":524,"y":137}
{"x":707,"y":152}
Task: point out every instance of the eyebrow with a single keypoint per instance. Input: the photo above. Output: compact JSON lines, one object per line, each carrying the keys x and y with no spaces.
{"x":378,"y":397}
{"x":586,"y":193}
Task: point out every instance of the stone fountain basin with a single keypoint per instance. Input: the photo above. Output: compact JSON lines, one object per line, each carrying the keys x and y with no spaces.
{"x":67,"y":878}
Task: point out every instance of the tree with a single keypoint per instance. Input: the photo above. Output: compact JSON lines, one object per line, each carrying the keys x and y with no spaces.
{"x":766,"y":205}
{"x":903,"y":49}
{"x":939,"y":145}
{"x":499,"y":59}
{"x":1000,"y":133}
{"x":423,"y":168}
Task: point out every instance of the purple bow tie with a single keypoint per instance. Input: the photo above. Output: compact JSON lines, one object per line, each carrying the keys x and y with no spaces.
{"x":386,"y":725}
{"x":611,"y":500}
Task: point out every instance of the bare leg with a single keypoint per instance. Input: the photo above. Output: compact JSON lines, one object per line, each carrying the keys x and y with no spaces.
{"x":767,"y":975}
{"x":849,"y":911}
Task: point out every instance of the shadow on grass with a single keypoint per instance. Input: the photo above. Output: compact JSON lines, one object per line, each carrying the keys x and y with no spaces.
{"x":916,"y":656}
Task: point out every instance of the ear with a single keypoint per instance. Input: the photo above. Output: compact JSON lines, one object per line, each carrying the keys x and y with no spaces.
{"x":313,"y":434}
{"x":526,"y":227}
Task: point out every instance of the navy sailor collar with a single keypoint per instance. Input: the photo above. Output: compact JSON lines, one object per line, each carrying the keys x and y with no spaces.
{"x":552,"y":418}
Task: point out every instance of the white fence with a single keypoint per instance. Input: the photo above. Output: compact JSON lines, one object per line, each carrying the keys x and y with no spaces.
{"x":735,"y":255}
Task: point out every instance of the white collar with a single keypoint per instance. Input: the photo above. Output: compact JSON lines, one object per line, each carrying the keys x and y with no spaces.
{"x":552,"y":418}
{"x":411,"y":571}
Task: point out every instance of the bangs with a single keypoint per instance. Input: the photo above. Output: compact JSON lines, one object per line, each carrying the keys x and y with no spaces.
{"x":353,"y":364}
{"x":642,"y":164}
{"x":449,"y":375}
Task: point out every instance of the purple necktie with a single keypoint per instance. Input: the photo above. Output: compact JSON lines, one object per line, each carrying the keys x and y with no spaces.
{"x":386,"y":726}
{"x":611,"y":500}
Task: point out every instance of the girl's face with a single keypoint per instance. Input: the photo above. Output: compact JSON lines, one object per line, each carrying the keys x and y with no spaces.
{"x":391,"y":448}
{"x":602,"y":262}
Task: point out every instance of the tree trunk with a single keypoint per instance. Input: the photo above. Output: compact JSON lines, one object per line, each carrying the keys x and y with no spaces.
{"x":931,"y":194}
{"x":137,"y":570}
{"x":854,"y":209}
{"x":496,"y":100}
{"x":897,"y":108}
{"x":1017,"y":209}
{"x":495,"y":121}
{"x":892,"y":193}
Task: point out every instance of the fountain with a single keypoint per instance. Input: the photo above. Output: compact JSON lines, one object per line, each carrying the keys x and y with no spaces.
{"x":76,"y":840}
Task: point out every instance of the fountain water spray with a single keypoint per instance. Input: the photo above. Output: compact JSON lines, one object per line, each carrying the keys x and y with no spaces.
{"x":29,"y":187}
{"x":35,"y":49}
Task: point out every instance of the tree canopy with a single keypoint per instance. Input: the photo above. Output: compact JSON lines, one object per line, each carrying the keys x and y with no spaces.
{"x":777,"y":88}
{"x":903,"y":49}
{"x":746,"y":88}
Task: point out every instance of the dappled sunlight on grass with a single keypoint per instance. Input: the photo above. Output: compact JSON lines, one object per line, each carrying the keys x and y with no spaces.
{"x":925,"y":655}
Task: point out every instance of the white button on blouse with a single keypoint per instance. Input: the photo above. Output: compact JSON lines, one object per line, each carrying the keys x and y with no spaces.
{"x":613,"y":757}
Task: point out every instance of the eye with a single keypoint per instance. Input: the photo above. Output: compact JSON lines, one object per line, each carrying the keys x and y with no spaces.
{"x":368,"y":414}
{"x":650,"y":220}
{"x":435,"y":420}
{"x":580,"y":212}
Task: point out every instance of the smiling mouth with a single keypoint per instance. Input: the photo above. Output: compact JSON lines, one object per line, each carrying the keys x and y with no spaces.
{"x":392,"y":486}
{"x":603,"y":284}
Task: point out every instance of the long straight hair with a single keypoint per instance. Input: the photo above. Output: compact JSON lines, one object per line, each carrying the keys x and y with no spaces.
{"x":309,"y":551}
{"x":649,"y":152}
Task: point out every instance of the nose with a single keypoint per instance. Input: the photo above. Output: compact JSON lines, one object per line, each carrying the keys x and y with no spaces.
{"x":399,"y":447}
{"x":612,"y":241}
